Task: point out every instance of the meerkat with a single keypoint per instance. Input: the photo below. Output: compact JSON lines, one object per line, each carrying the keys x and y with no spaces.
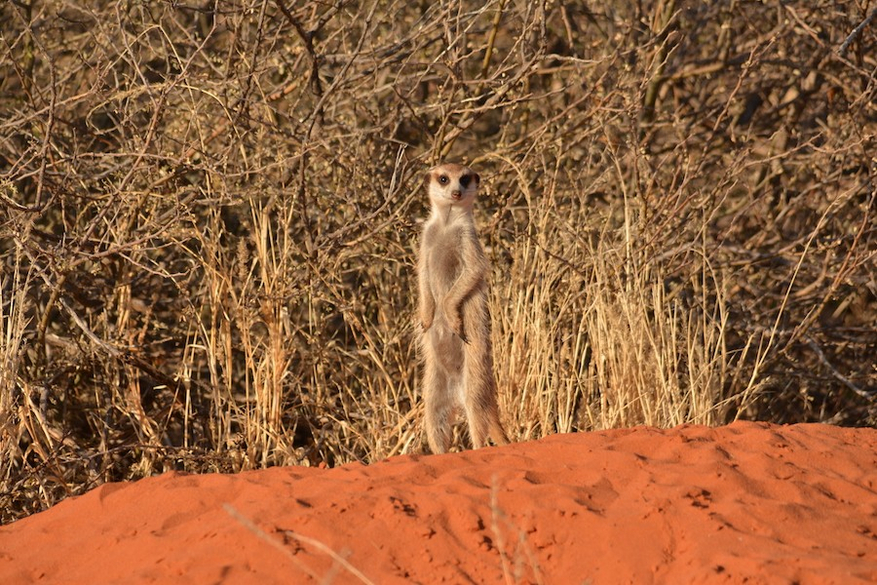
{"x":455,"y":340}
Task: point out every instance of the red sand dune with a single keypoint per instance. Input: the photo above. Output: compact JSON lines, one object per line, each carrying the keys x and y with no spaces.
{"x":746,"y":503}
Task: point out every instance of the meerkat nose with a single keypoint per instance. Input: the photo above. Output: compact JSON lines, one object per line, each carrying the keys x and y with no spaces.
{"x":456,"y":194}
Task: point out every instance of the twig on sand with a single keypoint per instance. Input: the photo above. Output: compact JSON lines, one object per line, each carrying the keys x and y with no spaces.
{"x":249,"y":525}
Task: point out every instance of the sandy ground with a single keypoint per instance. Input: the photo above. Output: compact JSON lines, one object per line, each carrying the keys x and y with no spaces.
{"x":746,"y":503}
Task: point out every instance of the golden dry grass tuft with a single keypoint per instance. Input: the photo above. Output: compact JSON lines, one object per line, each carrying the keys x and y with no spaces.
{"x":209,"y":211}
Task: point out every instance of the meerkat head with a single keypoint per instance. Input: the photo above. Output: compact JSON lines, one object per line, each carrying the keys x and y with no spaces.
{"x":452,"y":185}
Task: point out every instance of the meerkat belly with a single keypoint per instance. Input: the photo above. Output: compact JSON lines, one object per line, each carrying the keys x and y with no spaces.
{"x":447,"y":265}
{"x":447,"y":348}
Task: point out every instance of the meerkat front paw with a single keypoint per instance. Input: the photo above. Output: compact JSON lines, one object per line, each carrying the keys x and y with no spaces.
{"x":455,"y":322}
{"x":427,"y":312}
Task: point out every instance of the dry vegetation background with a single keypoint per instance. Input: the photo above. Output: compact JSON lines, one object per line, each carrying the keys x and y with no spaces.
{"x":209,"y":211}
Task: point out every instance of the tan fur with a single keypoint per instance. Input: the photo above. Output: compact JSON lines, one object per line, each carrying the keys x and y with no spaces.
{"x":455,"y":344}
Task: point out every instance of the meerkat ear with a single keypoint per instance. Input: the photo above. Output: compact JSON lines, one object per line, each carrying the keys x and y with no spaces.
{"x":477,"y":179}
{"x":426,"y":178}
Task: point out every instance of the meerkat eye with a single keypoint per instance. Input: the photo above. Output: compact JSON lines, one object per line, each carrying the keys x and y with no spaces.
{"x":443,"y":179}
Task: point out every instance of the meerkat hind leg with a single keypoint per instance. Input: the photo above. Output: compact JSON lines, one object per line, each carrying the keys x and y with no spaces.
{"x":482,"y":415}
{"x":480,"y":402}
{"x":482,"y":412}
{"x":477,"y":425}
{"x":497,"y":433}
{"x":438,"y":400}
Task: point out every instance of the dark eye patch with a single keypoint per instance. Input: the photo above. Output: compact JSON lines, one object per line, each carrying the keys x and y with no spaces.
{"x":465,"y":179}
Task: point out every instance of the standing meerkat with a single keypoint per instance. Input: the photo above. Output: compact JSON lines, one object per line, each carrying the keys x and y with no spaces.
{"x":455,"y":343}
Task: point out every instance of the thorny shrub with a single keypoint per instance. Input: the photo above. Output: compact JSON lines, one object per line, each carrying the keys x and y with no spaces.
{"x":210,"y":212}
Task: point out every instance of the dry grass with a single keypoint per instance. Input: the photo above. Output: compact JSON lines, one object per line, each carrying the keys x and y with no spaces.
{"x":209,"y":214}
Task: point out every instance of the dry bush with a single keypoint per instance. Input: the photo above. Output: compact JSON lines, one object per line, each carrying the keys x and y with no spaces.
{"x":210,"y":212}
